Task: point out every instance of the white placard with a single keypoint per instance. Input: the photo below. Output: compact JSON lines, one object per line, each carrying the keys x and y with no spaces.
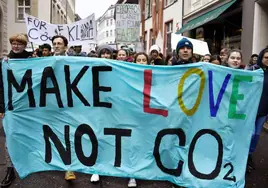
{"x":77,"y":33}
{"x":128,"y":23}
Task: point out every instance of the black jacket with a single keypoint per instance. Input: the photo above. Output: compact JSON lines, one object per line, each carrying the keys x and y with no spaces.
{"x":158,"y":61}
{"x":263,"y":106}
{"x":11,"y":55}
{"x":22,"y":55}
{"x":179,"y":62}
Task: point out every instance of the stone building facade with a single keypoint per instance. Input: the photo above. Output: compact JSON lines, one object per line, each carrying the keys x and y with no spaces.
{"x":3,"y":27}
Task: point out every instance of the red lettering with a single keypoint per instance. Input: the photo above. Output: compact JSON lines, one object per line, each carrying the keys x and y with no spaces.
{"x":147,"y":96}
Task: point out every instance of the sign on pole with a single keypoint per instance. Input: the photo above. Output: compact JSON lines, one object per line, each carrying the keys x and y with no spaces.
{"x":77,"y":33}
{"x":128,"y":23}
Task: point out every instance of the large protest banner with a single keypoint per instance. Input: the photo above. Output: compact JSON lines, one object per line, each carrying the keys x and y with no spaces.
{"x":77,"y":33}
{"x":127,"y":23}
{"x":190,"y":125}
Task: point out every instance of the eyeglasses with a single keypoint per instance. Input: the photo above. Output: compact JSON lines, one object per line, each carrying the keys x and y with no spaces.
{"x":17,"y":44}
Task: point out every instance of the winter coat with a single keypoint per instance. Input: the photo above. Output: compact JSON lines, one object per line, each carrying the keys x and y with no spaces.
{"x":263,"y":106}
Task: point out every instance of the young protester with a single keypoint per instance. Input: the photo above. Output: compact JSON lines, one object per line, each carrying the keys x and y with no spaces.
{"x":206,"y":58}
{"x":105,"y":51}
{"x":215,"y":59}
{"x":122,"y":55}
{"x":252,"y":65}
{"x":223,"y":55}
{"x":18,"y":44}
{"x":184,"y":52}
{"x":141,"y":58}
{"x":46,"y":50}
{"x":36,"y":53}
{"x":155,"y":58}
{"x":262,"y":110}
{"x":234,"y":59}
{"x":169,"y":59}
{"x":60,"y":47}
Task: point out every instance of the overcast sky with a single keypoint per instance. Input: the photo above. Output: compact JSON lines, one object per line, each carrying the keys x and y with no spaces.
{"x":85,"y":8}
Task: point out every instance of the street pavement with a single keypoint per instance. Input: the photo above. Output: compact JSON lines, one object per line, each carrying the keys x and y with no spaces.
{"x":257,"y":179}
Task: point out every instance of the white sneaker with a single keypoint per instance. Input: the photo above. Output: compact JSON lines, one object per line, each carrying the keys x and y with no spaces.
{"x":132,"y":183}
{"x":95,"y":178}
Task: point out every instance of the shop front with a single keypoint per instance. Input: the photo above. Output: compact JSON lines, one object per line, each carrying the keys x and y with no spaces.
{"x":220,"y":25}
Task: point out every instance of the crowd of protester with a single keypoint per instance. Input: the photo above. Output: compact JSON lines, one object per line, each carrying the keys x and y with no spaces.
{"x":232,"y":58}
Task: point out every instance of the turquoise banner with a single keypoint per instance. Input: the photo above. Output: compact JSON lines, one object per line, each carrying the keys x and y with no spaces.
{"x":190,"y":125}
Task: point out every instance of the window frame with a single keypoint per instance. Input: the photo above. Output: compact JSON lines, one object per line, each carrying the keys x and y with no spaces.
{"x":169,"y":27}
{"x":24,"y":7}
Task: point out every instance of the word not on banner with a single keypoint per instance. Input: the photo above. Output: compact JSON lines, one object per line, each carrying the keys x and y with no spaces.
{"x":190,"y":125}
{"x":127,"y":23}
{"x":77,"y":33}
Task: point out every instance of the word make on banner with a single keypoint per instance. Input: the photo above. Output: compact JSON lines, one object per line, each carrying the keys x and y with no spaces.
{"x":77,"y":33}
{"x":127,"y":23}
{"x":190,"y":125}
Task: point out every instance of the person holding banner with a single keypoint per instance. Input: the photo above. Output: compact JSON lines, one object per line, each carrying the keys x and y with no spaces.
{"x":103,"y":51}
{"x":262,"y":110}
{"x":234,"y":59}
{"x":60,"y":46}
{"x":184,"y":52}
{"x":18,"y":44}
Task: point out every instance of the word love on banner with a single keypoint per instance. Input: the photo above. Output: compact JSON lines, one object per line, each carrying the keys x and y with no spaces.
{"x":127,"y":23}
{"x":77,"y":33}
{"x":190,"y":125}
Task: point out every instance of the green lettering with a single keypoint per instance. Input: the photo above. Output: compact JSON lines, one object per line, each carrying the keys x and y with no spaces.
{"x":236,"y":96}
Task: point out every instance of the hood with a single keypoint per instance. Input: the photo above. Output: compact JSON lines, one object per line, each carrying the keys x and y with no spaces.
{"x":259,"y":61}
{"x":104,"y":46}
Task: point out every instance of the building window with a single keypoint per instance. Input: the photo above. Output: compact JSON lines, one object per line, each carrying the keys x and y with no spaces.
{"x":111,"y":33}
{"x":107,"y":22}
{"x":152,"y":39}
{"x":169,"y":30}
{"x":59,"y":16}
{"x":168,"y":2}
{"x":107,"y":33}
{"x":53,"y":13}
{"x":148,"y":8}
{"x":111,"y":22}
{"x":23,"y":6}
{"x":145,"y":41}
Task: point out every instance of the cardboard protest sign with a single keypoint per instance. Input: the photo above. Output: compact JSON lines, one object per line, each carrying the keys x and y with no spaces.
{"x":127,"y":23}
{"x":77,"y":33}
{"x":190,"y":125}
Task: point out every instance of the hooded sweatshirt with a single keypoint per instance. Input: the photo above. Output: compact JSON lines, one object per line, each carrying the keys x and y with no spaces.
{"x":263,"y":106}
